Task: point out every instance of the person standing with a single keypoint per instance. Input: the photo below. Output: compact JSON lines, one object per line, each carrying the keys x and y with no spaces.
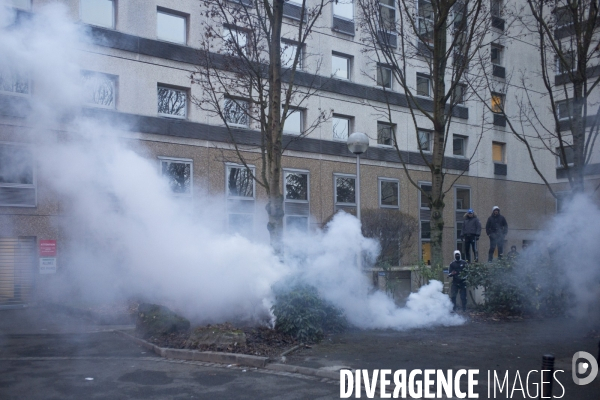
{"x":496,"y":228}
{"x":458,"y":282}
{"x":470,"y":232}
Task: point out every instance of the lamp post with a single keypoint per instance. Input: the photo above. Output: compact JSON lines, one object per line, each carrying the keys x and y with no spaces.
{"x":358,"y":143}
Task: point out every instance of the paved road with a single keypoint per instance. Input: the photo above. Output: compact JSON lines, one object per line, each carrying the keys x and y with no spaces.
{"x":54,"y":357}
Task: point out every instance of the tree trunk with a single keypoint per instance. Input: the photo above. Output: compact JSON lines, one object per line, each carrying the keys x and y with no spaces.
{"x":274,"y":135}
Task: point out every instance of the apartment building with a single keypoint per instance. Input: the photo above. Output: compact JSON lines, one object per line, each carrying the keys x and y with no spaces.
{"x":137,"y":70}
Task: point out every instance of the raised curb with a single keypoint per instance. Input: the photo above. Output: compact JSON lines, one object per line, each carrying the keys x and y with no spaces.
{"x":230,"y":358}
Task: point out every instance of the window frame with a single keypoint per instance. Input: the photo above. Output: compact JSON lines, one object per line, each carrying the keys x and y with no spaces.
{"x":113,"y":24}
{"x":114,"y":79}
{"x":348,"y":59}
{"x":291,"y":111}
{"x":423,"y":221}
{"x":383,"y":26}
{"x":336,"y":176}
{"x":236,"y":100}
{"x":379,"y":74}
{"x":424,"y":21}
{"x":429,"y":134}
{"x":344,"y":117}
{"x":177,"y":14}
{"x":292,"y":45}
{"x":229,"y":30}
{"x":496,"y":7}
{"x":228,"y":195}
{"x":499,"y":49}
{"x":185,"y":91}
{"x":32,"y":185}
{"x":380,"y":181}
{"x":15,"y":93}
{"x":178,"y":160}
{"x":333,"y":13}
{"x":286,"y":172}
{"x":421,"y":76}
{"x":500,"y":103}
{"x":459,"y":98}
{"x":569,"y":154}
{"x":503,"y":152}
{"x":561,"y":104}
{"x":464,"y":146}
{"x":391,"y":127}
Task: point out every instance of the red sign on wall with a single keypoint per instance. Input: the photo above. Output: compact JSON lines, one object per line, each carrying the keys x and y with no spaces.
{"x":47,"y":248}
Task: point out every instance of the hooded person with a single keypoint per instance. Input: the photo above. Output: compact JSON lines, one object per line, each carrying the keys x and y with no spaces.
{"x":458,"y":282}
{"x":496,"y":228}
{"x":471,"y":230}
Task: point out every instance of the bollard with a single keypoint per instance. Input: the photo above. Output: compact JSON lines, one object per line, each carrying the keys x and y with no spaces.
{"x":547,"y":372}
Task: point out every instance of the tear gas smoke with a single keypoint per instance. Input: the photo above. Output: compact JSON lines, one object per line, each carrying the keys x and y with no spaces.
{"x":128,"y":235}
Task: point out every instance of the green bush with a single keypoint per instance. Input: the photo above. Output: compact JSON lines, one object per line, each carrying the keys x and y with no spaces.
{"x":302,"y":313}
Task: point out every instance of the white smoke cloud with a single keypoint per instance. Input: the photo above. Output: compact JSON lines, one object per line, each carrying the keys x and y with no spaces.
{"x":129,"y":236}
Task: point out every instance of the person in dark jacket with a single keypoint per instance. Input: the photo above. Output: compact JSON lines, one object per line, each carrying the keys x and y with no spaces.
{"x":470,"y":232}
{"x":496,"y":228}
{"x":458,"y":282}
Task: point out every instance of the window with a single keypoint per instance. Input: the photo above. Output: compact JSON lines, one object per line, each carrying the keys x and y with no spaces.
{"x":458,"y":96}
{"x":424,"y":140}
{"x":235,"y":42}
{"x":568,"y":154}
{"x":389,"y":193}
{"x":236,"y":112}
{"x":387,"y":14}
{"x":23,"y":4}
{"x":423,"y":85}
{"x":293,"y":122}
{"x":424,"y":200}
{"x":345,"y":190}
{"x":13,"y":81}
{"x":497,"y":54}
{"x":498,"y":154}
{"x":564,"y":109}
{"x":340,"y":66}
{"x":17,"y":178}
{"x":178,"y":172}
{"x":496,"y":8}
{"x":172,"y":102}
{"x":459,"y":145}
{"x":563,"y":16}
{"x":463,"y":199}
{"x":425,"y":21}
{"x":460,"y":11}
{"x":98,"y":12}
{"x":288,"y":55}
{"x":385,"y":134}
{"x":297,"y":208}
{"x":240,"y":199}
{"x":497,"y":103}
{"x":341,"y":127}
{"x":171,"y":27}
{"x":343,"y":9}
{"x":569,"y":63}
{"x":462,"y":196}
{"x":99,"y":90}
{"x":384,"y":76}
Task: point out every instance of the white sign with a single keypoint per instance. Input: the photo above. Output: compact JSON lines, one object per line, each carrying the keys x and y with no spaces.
{"x":47,"y":265}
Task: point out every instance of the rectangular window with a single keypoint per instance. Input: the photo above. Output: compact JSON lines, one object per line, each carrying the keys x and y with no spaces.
{"x":498,"y":153}
{"x":296,"y":186}
{"x":424,"y":200}
{"x":384,"y":76}
{"x":463,"y":199}
{"x":22,"y":4}
{"x":13,"y":80}
{"x":387,"y":15}
{"x":389,"y":193}
{"x":568,"y":65}
{"x":17,"y":176}
{"x":462,"y":204}
{"x":236,"y":112}
{"x":564,"y":109}
{"x":293,"y":122}
{"x":425,"y":21}
{"x":235,"y":42}
{"x":172,"y":102}
{"x":98,"y":12}
{"x":563,"y":16}
{"x":288,"y":55}
{"x":459,"y":145}
{"x":560,"y":163}
{"x":344,"y":9}
{"x":497,"y":54}
{"x":345,"y":190}
{"x":341,"y":127}
{"x":240,"y":199}
{"x":297,"y":208}
{"x":240,"y":183}
{"x":424,"y":226}
{"x":497,"y":103}
{"x":496,"y":8}
{"x":178,"y":173}
{"x":458,"y":97}
{"x":424,"y":140}
{"x":340,"y":66}
{"x":99,"y":90}
{"x":423,"y":85}
{"x":385,"y":134}
{"x":459,"y":12}
{"x":171,"y":26}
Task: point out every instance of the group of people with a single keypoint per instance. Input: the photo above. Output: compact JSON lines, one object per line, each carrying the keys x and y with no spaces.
{"x":496,"y":228}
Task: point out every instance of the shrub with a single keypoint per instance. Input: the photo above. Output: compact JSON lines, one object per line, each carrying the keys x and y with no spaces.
{"x":302,"y":313}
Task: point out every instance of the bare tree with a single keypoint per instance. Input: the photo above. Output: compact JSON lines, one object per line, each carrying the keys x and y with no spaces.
{"x":249,"y":69}
{"x":440,"y":38}
{"x":567,"y":122}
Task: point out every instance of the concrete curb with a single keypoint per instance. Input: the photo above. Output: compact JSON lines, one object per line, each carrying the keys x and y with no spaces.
{"x":230,"y":358}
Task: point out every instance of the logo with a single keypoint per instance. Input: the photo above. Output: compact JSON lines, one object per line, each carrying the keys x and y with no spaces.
{"x":589,"y":366}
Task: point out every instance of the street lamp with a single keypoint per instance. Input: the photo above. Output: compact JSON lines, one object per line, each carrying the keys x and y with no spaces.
{"x":358,"y":143}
